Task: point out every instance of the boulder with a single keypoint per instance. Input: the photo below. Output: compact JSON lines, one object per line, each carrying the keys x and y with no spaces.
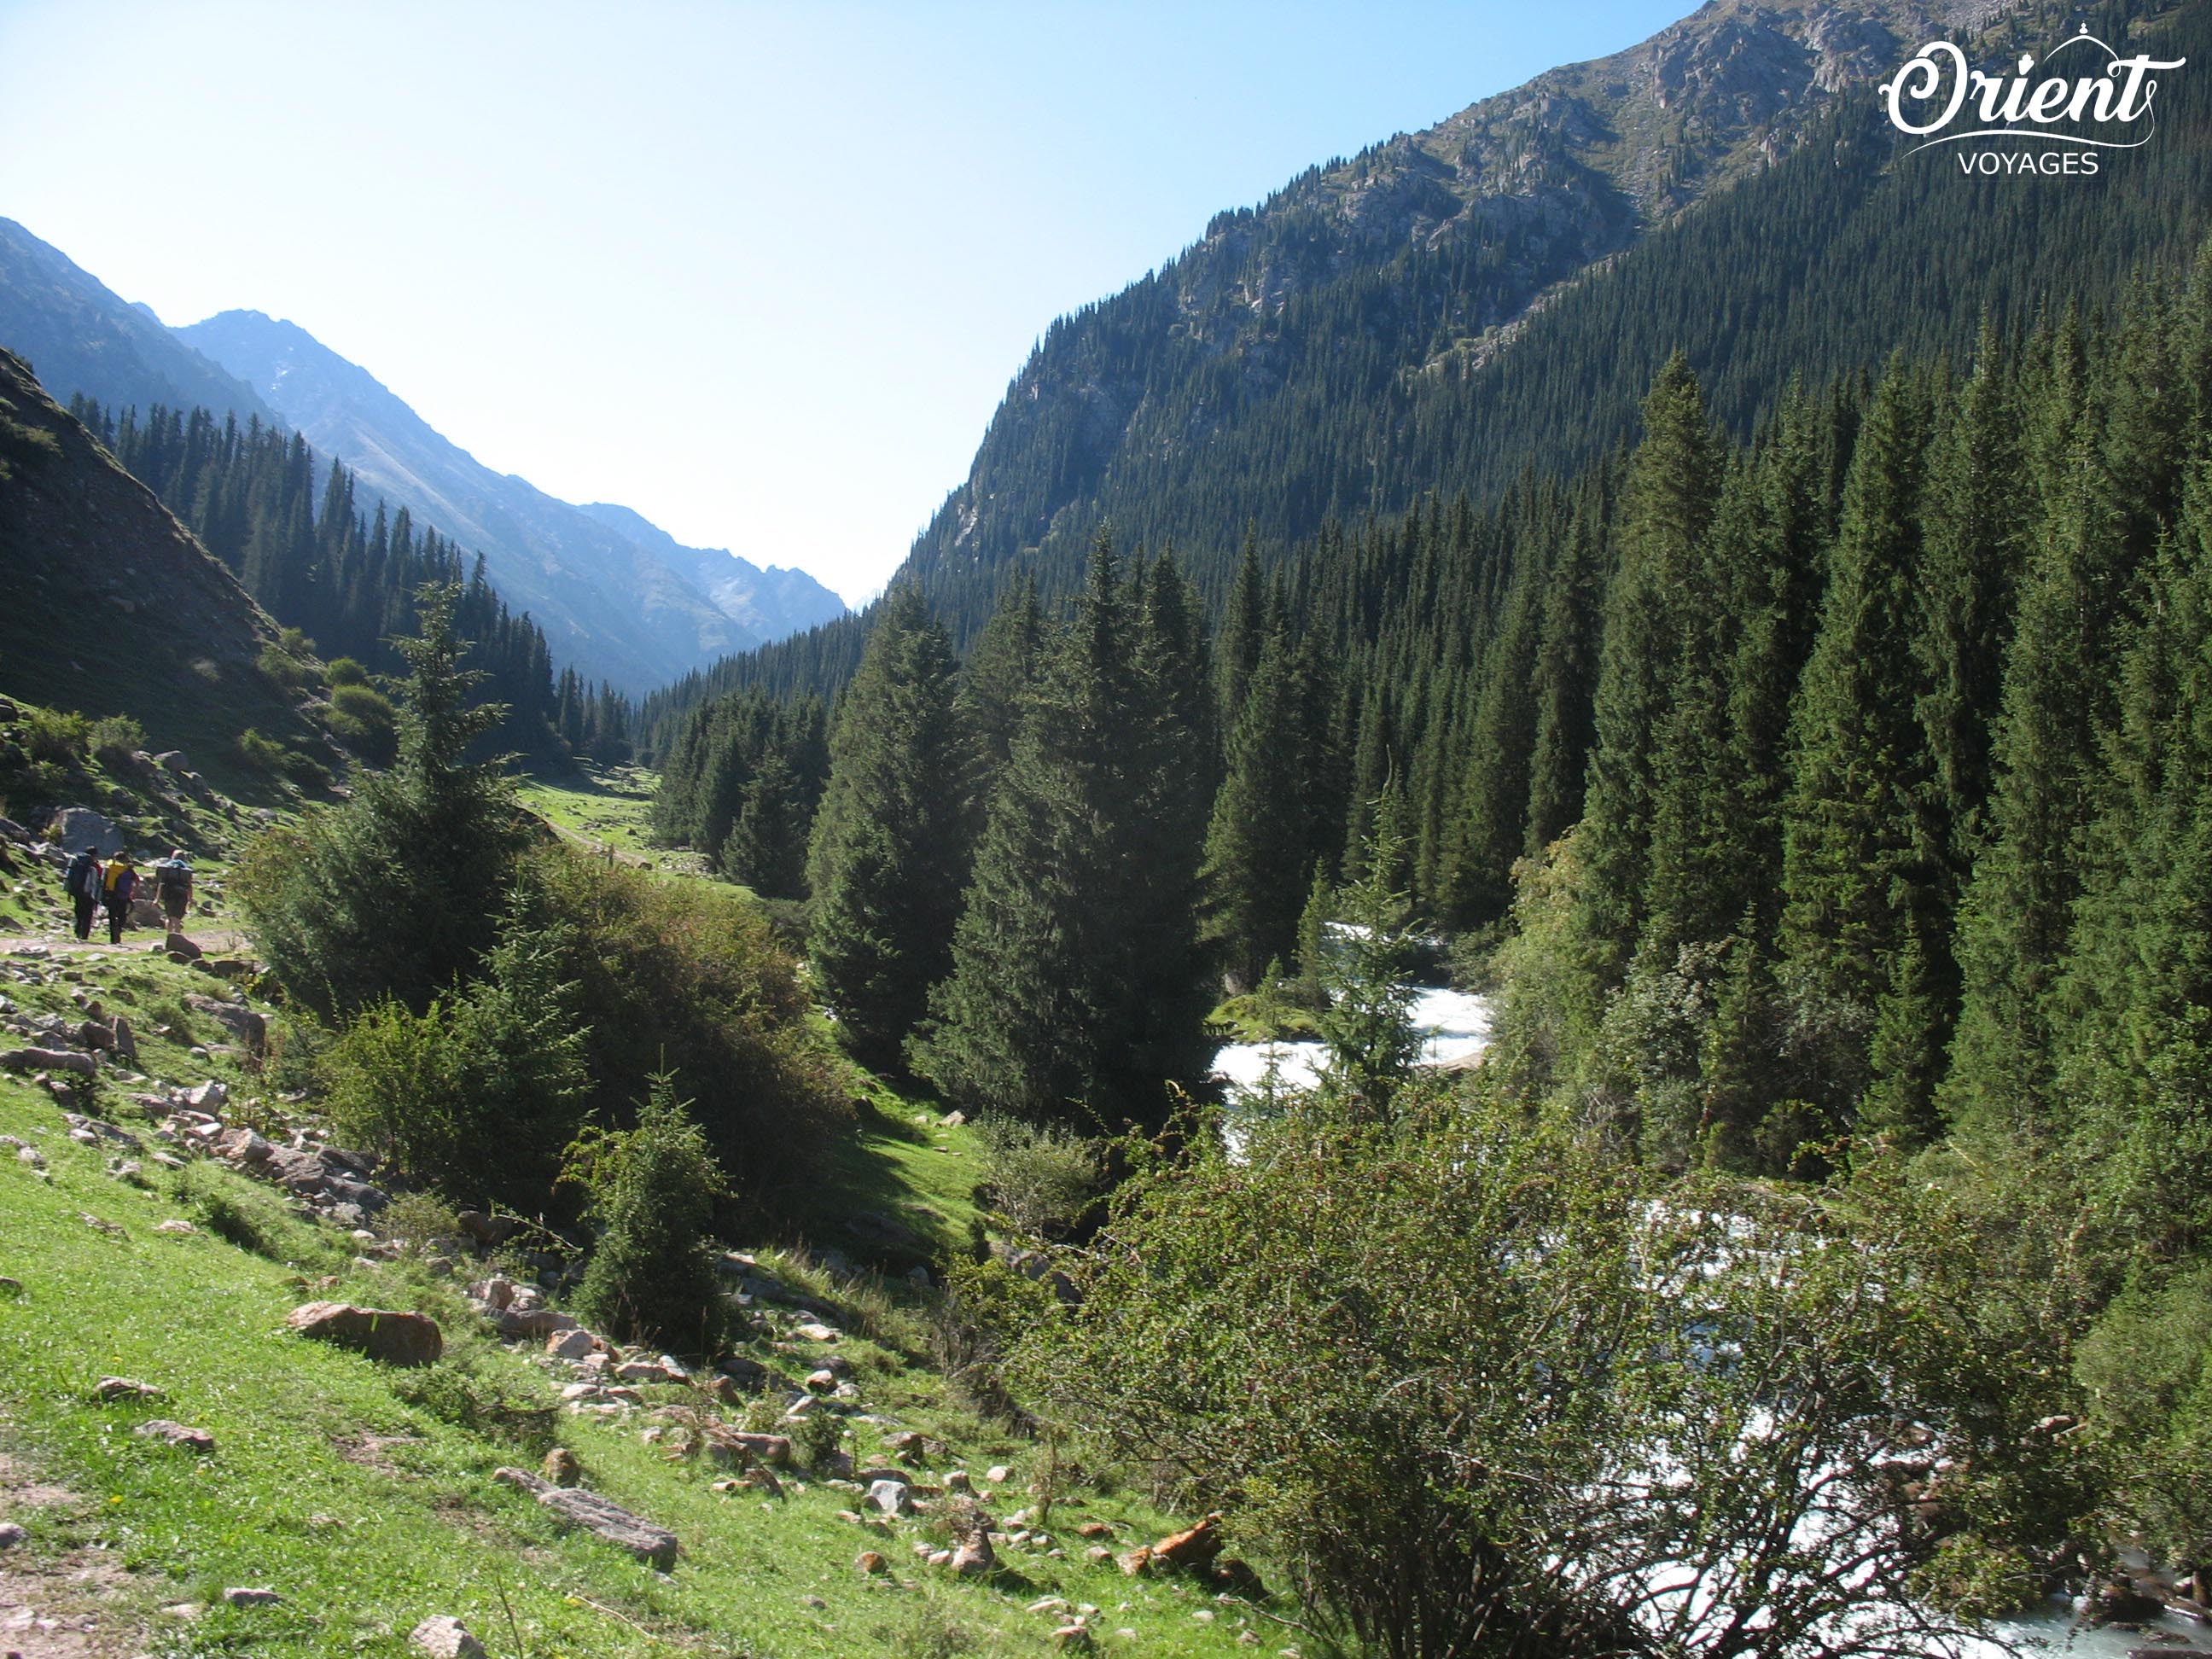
{"x":179,"y":948}
{"x":569,"y":1344}
{"x":973,"y":1557}
{"x":892,"y":1497}
{"x":386,"y":1335}
{"x":208,"y":1097}
{"x":240,"y":1021}
{"x":144,"y":913}
{"x":199,"y":1441}
{"x":599,"y":1515}
{"x":444,"y":1637}
{"x":75,"y":828}
{"x":48,"y":1060}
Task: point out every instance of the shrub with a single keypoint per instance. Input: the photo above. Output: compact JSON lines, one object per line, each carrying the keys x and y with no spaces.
{"x":1042,"y":1180}
{"x":263,"y":753}
{"x":684,"y":978}
{"x":363,"y":719}
{"x":468,"y":1389}
{"x":116,"y":738}
{"x":1482,"y":1390}
{"x":816,"y":1437}
{"x":479,"y":1091}
{"x":56,"y":736}
{"x":344,"y":671}
{"x":651,"y":1276}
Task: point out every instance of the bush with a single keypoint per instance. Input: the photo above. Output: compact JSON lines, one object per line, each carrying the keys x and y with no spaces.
{"x":1482,"y":1389}
{"x":263,"y":753}
{"x":116,"y":738}
{"x":56,"y":736}
{"x":468,"y":1389}
{"x":651,"y":1276}
{"x":684,"y":978}
{"x":1042,"y":1180}
{"x":363,"y":719}
{"x":480,"y":1092}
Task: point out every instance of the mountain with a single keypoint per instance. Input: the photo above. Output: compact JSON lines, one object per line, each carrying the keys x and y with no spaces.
{"x":1454,"y":306}
{"x":773,"y":603}
{"x":623,"y":604}
{"x":113,"y":608}
{"x":79,"y":337}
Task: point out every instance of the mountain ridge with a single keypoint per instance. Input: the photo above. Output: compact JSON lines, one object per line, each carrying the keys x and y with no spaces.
{"x":555,"y":558}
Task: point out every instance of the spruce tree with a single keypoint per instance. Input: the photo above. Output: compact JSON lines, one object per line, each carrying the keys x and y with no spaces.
{"x":1077,"y":992}
{"x":888,"y":852}
{"x":1257,"y":837}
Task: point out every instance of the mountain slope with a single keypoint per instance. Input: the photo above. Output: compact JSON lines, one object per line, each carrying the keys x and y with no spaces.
{"x":773,"y":603}
{"x":113,"y":608}
{"x":1448,"y":307}
{"x":611,"y":600}
{"x":80,"y":338}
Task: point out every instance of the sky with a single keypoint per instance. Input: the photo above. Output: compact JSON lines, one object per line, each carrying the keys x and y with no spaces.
{"x":760,"y":273}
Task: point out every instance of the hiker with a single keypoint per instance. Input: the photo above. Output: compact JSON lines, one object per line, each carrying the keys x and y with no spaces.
{"x":173,"y":886}
{"x":116,"y":886}
{"x":81,"y":881}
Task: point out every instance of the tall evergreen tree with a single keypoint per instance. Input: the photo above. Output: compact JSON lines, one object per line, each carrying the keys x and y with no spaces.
{"x":889,"y":852}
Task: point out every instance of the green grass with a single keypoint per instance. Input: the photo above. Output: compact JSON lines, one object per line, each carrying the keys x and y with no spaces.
{"x":368,"y":1513}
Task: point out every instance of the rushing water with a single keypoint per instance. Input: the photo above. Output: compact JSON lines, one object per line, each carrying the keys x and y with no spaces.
{"x":1454,"y":1027}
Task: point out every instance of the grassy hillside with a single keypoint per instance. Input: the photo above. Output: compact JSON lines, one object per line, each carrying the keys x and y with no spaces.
{"x":364,"y":1497}
{"x":113,"y":610}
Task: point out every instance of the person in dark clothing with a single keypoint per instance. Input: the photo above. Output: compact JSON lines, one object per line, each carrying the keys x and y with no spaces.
{"x":173,"y":886}
{"x":117,"y":887}
{"x":81,"y":882}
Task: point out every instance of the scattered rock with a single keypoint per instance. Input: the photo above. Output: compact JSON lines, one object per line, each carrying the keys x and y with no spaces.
{"x":729,"y":1445}
{"x":109,"y":1389}
{"x":11,"y":1535}
{"x":1072,"y":1638}
{"x":50,"y":1059}
{"x":199,"y":1441}
{"x":243,"y":1596}
{"x":444,"y":1637}
{"x":33,"y":1157}
{"x":599,"y":1515}
{"x":113,"y":1230}
{"x":867,"y":1563}
{"x":561,"y":1468}
{"x":974,"y":1556}
{"x":891,"y":1496}
{"x":997,"y":1474}
{"x":388,"y":1336}
{"x":175,"y":1227}
{"x":815,"y":1332}
{"x":489,"y":1231}
{"x":570,"y":1344}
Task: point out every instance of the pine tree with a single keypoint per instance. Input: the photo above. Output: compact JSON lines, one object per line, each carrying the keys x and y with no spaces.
{"x":888,"y":854}
{"x":1659,"y":597}
{"x":1257,"y":836}
{"x":1077,"y":991}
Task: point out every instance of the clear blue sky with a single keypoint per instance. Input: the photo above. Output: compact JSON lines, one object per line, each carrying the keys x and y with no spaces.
{"x":761,"y":272}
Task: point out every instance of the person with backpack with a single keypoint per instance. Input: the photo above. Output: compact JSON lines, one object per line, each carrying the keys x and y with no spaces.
{"x":81,"y":882}
{"x":173,"y":886}
{"x":117,"y":887}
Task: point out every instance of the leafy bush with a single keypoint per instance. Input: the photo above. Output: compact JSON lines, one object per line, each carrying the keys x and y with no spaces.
{"x":1481,"y":1389}
{"x":116,"y":737}
{"x":1041,"y":1180}
{"x":344,"y":671}
{"x":479,"y":1091}
{"x":263,"y":753}
{"x":682,"y":978}
{"x":468,"y":1389}
{"x":56,"y":736}
{"x":816,"y":1437}
{"x":651,"y":1275}
{"x":363,"y":719}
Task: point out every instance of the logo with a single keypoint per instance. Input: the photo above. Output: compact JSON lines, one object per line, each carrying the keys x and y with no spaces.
{"x":2110,"y":96}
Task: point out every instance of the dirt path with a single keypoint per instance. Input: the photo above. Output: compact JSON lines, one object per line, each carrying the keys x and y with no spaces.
{"x":76,"y":1603}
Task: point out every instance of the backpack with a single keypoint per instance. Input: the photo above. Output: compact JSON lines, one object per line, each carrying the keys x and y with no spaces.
{"x":121,"y":884}
{"x":172,"y":875}
{"x":79,"y":881}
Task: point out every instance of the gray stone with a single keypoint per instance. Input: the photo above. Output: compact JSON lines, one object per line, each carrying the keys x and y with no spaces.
{"x":386,"y":1335}
{"x":892,"y":1497}
{"x":48,"y":1060}
{"x":11,"y":1535}
{"x":244,"y":1596}
{"x":600,"y":1516}
{"x":199,"y":1441}
{"x":76,"y":828}
{"x":444,"y":1637}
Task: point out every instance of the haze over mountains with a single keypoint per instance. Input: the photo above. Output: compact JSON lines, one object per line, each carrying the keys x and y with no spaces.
{"x":618,"y":597}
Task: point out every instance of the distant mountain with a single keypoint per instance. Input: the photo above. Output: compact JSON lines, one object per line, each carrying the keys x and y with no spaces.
{"x":623,"y":602}
{"x":1495,"y":293}
{"x":773,"y":603}
{"x":79,"y":337}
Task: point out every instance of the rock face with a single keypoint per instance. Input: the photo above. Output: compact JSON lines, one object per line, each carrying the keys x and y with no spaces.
{"x":79,"y":829}
{"x":599,"y":1515}
{"x":386,"y":1336}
